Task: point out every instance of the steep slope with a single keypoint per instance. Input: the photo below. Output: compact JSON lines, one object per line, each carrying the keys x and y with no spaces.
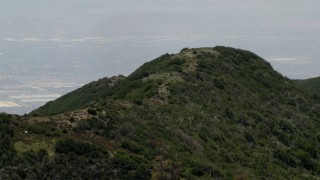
{"x":204,"y":113}
{"x":311,"y":85}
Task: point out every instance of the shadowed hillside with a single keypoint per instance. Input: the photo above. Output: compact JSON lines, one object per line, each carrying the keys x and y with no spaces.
{"x":204,"y":113}
{"x":311,"y":85}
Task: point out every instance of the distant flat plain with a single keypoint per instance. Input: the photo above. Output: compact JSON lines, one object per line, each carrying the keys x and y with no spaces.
{"x":34,"y":71}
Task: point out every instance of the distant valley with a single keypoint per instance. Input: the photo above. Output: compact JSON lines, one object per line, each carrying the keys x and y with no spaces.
{"x":159,"y":90}
{"x":36,"y":70}
{"x":20,"y":95}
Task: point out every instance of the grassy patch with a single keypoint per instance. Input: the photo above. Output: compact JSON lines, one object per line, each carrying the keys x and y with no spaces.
{"x":35,"y":144}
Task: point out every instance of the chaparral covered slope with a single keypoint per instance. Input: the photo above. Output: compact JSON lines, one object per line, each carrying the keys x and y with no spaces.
{"x":311,"y":85}
{"x":204,"y":113}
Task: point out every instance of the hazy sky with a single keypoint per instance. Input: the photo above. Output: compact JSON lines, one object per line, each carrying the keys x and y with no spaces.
{"x":69,"y":18}
{"x":293,"y":21}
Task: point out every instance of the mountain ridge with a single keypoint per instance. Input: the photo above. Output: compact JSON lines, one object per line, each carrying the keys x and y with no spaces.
{"x":203,"y":113}
{"x":85,"y":98}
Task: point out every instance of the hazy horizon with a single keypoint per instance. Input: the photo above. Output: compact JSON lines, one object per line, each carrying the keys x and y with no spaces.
{"x":52,"y":47}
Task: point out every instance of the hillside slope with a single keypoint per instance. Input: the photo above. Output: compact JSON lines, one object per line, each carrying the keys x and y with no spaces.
{"x":311,"y":85}
{"x":79,"y":98}
{"x":204,"y":113}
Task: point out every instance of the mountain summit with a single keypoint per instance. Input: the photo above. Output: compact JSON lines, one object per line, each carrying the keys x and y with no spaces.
{"x":204,"y":113}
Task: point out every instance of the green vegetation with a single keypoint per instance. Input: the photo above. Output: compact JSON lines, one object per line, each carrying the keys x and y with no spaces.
{"x":204,"y":113}
{"x":7,"y":150}
{"x":78,"y":148}
{"x":71,"y":101}
{"x":311,"y":85}
{"x":72,"y":159}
